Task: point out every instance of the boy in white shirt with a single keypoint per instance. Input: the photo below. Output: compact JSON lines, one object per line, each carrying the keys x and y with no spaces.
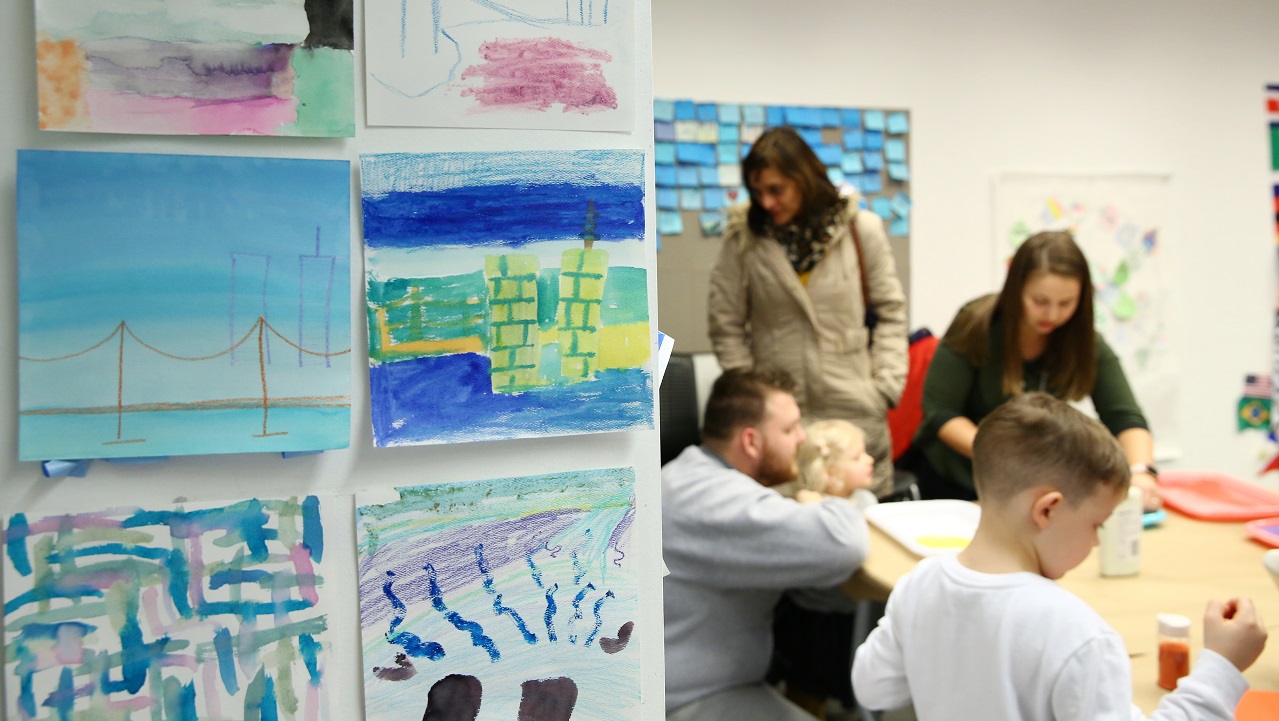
{"x":989,"y":634}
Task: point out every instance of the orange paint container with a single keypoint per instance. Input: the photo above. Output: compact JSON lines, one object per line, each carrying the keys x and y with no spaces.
{"x":1174,"y":649}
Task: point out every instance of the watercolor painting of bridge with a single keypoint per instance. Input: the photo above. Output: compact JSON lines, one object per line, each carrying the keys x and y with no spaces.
{"x":561,"y":64}
{"x":154,"y":322}
{"x":202,"y":611}
{"x":507,"y":295}
{"x":513,"y":598}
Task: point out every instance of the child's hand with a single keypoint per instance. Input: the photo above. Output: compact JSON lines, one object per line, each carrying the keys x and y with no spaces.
{"x":1232,"y":629}
{"x":804,"y":495}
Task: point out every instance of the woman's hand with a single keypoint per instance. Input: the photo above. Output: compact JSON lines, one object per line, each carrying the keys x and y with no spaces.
{"x":1149,"y":486}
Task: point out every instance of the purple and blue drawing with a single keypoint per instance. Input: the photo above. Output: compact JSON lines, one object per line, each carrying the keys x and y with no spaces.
{"x":207,"y":611}
{"x":173,"y":305}
{"x":507,"y":295}
{"x":513,"y":598}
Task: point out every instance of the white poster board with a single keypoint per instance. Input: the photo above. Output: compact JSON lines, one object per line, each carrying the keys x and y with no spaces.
{"x":1120,"y":222}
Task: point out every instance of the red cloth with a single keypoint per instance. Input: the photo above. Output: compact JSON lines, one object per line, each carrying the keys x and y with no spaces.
{"x":906,"y":417}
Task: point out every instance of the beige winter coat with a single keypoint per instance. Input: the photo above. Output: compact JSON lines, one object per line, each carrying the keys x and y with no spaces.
{"x":761,"y":315}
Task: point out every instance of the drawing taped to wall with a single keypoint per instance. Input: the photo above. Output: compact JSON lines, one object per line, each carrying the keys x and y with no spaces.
{"x":566,"y":64}
{"x":204,"y":67}
{"x":507,"y":295}
{"x":1120,"y":223}
{"x":201,"y":611}
{"x":506,"y":599}
{"x":181,"y":305}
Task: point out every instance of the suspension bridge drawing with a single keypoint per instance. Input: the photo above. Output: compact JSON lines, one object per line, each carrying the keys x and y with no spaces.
{"x":174,"y":305}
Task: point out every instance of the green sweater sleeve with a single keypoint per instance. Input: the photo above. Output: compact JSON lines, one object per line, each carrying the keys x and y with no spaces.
{"x":1111,"y":395}
{"x":949,"y":381}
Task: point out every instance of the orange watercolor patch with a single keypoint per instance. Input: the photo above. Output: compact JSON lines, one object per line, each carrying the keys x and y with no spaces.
{"x":61,"y":69}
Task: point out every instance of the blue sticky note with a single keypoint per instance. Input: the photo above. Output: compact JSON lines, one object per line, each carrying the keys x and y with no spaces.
{"x":730,"y":114}
{"x":695,"y":153}
{"x":803,"y":117}
{"x":746,"y":149}
{"x":708,"y":177}
{"x":883,"y":207}
{"x":664,"y":110}
{"x":713,"y":199}
{"x":873,"y":119}
{"x":665,"y":175}
{"x":897,"y":123}
{"x":686,"y":176}
{"x":727,"y":154}
{"x":851,"y":118}
{"x":895,"y":150}
{"x":707,"y":113}
{"x":854,"y":140}
{"x":830,"y":117}
{"x":752,"y":114}
{"x":663,"y":131}
{"x":664,"y":153}
{"x":870,"y":183}
{"x":774,"y":115}
{"x":690,"y":199}
{"x":812,"y":136}
{"x":873,"y":161}
{"x":685,"y":110}
{"x":899,"y":171}
{"x":874,"y":139}
{"x":852,"y":163}
{"x":667,"y":199}
{"x":670,"y":222}
{"x":899,"y":228}
{"x":712,"y":224}
{"x":730,"y":133}
{"x":901,"y":205}
{"x":829,"y":154}
{"x":836,"y":176}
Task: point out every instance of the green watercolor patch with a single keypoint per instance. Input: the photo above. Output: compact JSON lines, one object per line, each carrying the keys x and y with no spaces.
{"x":324,"y":85}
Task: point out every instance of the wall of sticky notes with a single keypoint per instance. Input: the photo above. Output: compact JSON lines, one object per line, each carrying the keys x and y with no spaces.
{"x":697,"y":164}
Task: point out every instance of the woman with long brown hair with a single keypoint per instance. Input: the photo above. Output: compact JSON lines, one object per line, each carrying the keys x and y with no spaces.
{"x":1037,"y":334}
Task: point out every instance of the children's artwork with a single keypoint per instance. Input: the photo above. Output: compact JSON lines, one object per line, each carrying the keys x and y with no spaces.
{"x":1272,"y":114}
{"x":175,"y":304}
{"x":200,"y":67}
{"x":514,"y":64}
{"x":201,"y":611}
{"x":506,"y":599}
{"x":507,"y":295}
{"x":1119,"y":221}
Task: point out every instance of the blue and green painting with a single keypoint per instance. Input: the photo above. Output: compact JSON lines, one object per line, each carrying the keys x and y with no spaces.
{"x":180,"y":304}
{"x":202,"y":611}
{"x":513,"y":598}
{"x":507,"y":295}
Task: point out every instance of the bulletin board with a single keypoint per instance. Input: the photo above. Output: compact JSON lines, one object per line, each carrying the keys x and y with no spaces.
{"x":697,"y":159}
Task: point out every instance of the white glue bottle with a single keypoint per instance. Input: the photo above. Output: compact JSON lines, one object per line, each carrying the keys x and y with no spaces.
{"x":1120,"y":552}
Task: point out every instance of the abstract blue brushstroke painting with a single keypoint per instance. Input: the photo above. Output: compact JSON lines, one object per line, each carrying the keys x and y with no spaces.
{"x":176,"y":304}
{"x":202,"y":611}
{"x":507,"y":295}
{"x":506,"y":599}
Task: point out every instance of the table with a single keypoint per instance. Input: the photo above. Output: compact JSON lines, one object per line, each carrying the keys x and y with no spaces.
{"x":1184,"y":562}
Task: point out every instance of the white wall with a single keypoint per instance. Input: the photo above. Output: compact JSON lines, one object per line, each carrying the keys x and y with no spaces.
{"x":22,"y":486}
{"x":1170,"y":86}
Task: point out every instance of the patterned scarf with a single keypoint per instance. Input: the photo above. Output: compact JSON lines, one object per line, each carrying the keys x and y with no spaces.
{"x":806,"y":240}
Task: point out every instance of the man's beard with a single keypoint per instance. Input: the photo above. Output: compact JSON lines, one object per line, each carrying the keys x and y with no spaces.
{"x":776,"y":468}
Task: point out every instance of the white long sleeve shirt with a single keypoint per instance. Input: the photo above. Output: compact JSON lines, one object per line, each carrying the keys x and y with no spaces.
{"x":960,"y":644}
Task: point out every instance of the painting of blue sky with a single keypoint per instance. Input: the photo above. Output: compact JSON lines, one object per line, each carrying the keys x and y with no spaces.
{"x":507,"y":295}
{"x":175,"y":304}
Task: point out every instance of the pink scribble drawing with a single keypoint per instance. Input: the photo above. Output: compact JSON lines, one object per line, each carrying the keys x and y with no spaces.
{"x":536,"y":73}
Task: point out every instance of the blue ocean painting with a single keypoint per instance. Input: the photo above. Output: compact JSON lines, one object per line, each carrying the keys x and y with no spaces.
{"x":514,"y":598}
{"x":173,"y":305}
{"x":507,"y":295}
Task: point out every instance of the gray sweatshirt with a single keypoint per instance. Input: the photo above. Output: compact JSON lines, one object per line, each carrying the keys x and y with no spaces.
{"x":732,"y":547}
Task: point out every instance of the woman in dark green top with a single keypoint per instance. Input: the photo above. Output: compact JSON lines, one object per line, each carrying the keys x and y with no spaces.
{"x":1037,"y":334}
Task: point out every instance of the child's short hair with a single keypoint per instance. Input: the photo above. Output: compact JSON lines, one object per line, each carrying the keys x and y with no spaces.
{"x":1034,"y":438}
{"x":827,"y":444}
